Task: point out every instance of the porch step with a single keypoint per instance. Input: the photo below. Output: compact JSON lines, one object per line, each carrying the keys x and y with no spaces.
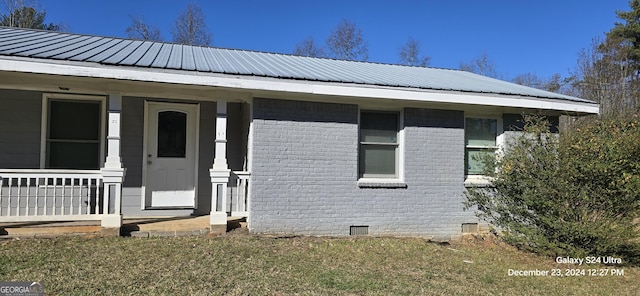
{"x":179,"y":226}
{"x":43,"y":230}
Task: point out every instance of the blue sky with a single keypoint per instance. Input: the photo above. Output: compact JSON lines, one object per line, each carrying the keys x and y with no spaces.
{"x":542,"y":37}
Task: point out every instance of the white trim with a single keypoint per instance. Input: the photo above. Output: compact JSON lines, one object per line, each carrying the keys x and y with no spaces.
{"x":145,"y":137}
{"x":399,"y":176}
{"x":249,"y":167}
{"x":289,"y":86}
{"x":44,"y":124}
{"x":477,"y":179}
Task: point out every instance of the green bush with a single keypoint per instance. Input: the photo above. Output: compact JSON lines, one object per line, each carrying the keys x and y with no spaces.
{"x":576,"y":194}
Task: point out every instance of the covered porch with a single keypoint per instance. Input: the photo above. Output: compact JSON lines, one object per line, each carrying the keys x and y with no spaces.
{"x":86,"y":150}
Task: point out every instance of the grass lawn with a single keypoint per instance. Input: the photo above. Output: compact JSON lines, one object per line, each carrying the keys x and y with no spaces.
{"x":240,"y":264}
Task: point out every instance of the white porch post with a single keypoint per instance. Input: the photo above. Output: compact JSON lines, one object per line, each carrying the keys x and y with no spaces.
{"x":113,"y":172}
{"x":220,"y":172}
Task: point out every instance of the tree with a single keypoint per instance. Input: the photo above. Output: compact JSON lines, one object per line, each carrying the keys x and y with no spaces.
{"x":190,"y":27}
{"x":555,"y":83}
{"x":346,"y":43}
{"x":574,"y":195}
{"x":410,"y":54}
{"x":627,"y":34}
{"x":605,"y":74}
{"x":143,"y":31}
{"x":480,"y":65}
{"x":23,"y":14}
{"x":308,"y":48}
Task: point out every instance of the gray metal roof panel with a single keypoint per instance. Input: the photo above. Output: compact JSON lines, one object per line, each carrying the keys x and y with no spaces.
{"x":113,"y":50}
{"x":188,"y":61}
{"x":27,"y":43}
{"x":175,"y":57}
{"x":120,"y":54}
{"x":124,"y":52}
{"x":56,"y":48}
{"x":135,"y":56}
{"x":90,"y":52}
{"x":162,"y":58}
{"x":199,"y":61}
{"x":149,"y":55}
{"x":80,"y":48}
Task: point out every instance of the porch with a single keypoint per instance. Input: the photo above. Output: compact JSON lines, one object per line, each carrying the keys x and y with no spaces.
{"x":48,"y":178}
{"x":31,"y":198}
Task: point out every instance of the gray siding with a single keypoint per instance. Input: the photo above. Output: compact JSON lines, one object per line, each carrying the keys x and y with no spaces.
{"x":20,"y":121}
{"x":305,"y":164}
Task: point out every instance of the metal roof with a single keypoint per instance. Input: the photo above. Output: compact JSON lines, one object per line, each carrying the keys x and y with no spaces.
{"x":147,"y":54}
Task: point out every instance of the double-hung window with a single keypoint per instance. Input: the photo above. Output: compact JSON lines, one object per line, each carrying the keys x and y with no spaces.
{"x":379,"y":144}
{"x":481,"y":136}
{"x":73,"y":132}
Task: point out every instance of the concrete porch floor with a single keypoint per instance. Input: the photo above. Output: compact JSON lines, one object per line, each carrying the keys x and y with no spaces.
{"x":138,"y":227}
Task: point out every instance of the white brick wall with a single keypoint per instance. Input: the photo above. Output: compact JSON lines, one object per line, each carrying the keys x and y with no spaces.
{"x":305,"y":171}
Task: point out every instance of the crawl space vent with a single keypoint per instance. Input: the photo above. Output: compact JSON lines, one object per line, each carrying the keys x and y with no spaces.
{"x":469,"y":227}
{"x":359,"y":230}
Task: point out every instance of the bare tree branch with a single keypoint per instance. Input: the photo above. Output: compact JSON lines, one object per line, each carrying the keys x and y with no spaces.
{"x":190,"y":27}
{"x":308,"y":48}
{"x":410,"y":54}
{"x":480,"y":65}
{"x":346,"y":43}
{"x":143,"y":31}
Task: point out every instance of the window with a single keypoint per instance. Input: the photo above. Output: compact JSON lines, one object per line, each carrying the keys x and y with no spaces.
{"x":172,"y":134}
{"x":480,"y":140}
{"x":73,"y":134}
{"x":379,"y":144}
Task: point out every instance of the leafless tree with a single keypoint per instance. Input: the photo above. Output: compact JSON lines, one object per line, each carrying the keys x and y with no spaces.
{"x":480,"y":65}
{"x":143,"y":31}
{"x":308,"y":48}
{"x":606,"y":75}
{"x":190,"y":27}
{"x":410,"y":54}
{"x":346,"y":43}
{"x":555,"y":83}
{"x":528,"y":79}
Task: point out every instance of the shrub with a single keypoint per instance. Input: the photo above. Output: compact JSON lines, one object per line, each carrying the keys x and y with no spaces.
{"x":571,"y":195}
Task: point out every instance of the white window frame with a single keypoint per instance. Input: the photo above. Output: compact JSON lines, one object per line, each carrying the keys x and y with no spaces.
{"x":398,"y":178}
{"x":44,"y":124}
{"x":479,"y":179}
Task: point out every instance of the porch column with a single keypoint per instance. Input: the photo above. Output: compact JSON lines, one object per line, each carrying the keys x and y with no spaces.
{"x":220,"y":172}
{"x":113,"y":172}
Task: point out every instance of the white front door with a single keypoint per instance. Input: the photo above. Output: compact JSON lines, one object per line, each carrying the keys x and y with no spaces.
{"x":171,"y":155}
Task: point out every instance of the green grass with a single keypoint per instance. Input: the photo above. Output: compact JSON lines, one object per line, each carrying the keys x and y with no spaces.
{"x":256,"y":265}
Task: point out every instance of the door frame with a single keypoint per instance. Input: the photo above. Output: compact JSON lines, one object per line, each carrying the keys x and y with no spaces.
{"x":144,"y":203}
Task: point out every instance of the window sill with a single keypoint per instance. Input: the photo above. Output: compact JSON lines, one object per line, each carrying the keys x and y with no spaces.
{"x":477,"y":181}
{"x":381,"y":183}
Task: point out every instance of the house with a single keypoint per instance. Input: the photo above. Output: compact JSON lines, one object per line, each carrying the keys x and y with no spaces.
{"x":100,"y":128}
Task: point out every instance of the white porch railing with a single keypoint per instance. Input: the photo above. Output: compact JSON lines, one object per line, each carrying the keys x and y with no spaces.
{"x":239,"y":194}
{"x":28,"y":195}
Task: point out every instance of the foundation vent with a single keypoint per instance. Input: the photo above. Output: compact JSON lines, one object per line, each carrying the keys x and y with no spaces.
{"x":359,"y":230}
{"x":469,"y":228}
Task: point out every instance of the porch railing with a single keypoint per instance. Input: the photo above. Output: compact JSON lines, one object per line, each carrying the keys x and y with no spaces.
{"x":51,"y":195}
{"x":238,"y":205}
